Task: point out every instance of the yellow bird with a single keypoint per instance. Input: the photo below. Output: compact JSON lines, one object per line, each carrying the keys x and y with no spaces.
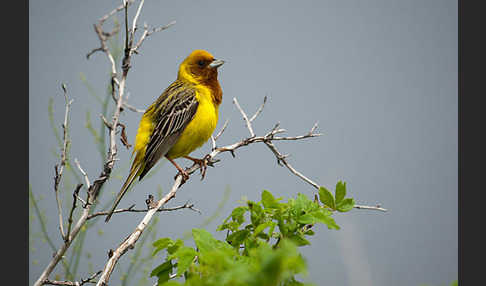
{"x":181,"y":120}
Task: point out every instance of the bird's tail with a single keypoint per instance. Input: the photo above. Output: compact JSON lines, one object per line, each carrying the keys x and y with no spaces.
{"x":135,"y":170}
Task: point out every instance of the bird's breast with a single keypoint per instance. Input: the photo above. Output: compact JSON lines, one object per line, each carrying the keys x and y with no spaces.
{"x":199,"y":130}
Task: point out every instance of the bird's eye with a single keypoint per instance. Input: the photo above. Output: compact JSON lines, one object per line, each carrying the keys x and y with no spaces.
{"x":201,"y":63}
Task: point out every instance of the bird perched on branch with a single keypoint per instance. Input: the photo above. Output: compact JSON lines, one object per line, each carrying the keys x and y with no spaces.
{"x":181,"y":120}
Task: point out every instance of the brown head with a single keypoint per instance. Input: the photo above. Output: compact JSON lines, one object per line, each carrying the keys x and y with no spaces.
{"x":200,"y":67}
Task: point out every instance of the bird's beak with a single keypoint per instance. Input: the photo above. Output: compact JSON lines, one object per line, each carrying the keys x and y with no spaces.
{"x":216,"y":63}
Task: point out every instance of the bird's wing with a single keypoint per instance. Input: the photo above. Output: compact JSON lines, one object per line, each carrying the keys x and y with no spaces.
{"x":176,"y":109}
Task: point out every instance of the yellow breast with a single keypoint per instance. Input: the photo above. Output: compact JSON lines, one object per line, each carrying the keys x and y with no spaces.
{"x":199,"y":130}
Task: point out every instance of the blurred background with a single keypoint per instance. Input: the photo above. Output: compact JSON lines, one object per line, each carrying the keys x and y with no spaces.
{"x":379,"y":76}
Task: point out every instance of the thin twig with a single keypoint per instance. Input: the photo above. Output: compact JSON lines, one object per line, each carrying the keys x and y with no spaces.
{"x":114,"y":11}
{"x":215,"y":138}
{"x":148,"y":32}
{"x":73,"y":283}
{"x":86,"y":179}
{"x":134,"y":24}
{"x":245,"y":117}
{"x":132,"y":210}
{"x":106,"y":121}
{"x":133,"y":108}
{"x":376,"y":208}
{"x":259,"y":110}
{"x":59,"y":170}
{"x":222,"y":130}
{"x":70,"y":218}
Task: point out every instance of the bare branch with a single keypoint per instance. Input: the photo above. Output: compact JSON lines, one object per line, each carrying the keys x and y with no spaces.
{"x":260,"y":109}
{"x":133,"y":108}
{"x":215,"y":138}
{"x":314,"y":127}
{"x":73,"y":283}
{"x":107,"y":124}
{"x":245,"y":117}
{"x":70,"y":219}
{"x":59,"y":170}
{"x":86,"y":179}
{"x":222,"y":130}
{"x":135,"y":19}
{"x":114,"y":11}
{"x":376,"y":208}
{"x":148,"y":32}
{"x":132,"y":210}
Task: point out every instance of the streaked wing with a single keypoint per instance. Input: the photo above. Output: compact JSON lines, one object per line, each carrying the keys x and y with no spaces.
{"x":176,"y":108}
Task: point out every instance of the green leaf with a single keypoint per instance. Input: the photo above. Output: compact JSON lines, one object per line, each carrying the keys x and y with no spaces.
{"x":326,"y":198}
{"x":238,"y":214}
{"x":306,"y":219}
{"x":324,"y":217}
{"x":269,"y":201}
{"x":161,"y":244}
{"x":262,"y":226}
{"x":272,"y":227}
{"x":299,"y":240}
{"x":346,"y":205}
{"x":256,"y":213}
{"x":162,"y":271}
{"x":185,"y":256}
{"x":203,"y":239}
{"x":175,"y":246}
{"x":309,"y":232}
{"x":237,"y":237}
{"x":340,"y":191}
{"x":302,"y":204}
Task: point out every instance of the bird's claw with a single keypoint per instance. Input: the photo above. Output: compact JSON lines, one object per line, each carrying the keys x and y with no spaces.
{"x":203,"y":165}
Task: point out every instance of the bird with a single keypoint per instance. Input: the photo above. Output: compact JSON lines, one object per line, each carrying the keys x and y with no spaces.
{"x":181,"y":120}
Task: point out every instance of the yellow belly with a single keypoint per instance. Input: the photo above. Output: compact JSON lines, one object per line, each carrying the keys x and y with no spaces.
{"x":199,"y":130}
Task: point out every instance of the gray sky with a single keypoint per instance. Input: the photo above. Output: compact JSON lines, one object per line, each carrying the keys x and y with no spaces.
{"x":380,"y":77}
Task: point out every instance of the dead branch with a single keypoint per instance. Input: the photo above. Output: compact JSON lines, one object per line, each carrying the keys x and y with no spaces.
{"x":147,"y":33}
{"x":86,"y":179}
{"x":73,"y":283}
{"x":214,"y":138}
{"x":132,"y":210}
{"x":59,"y":170}
{"x":70,"y":219}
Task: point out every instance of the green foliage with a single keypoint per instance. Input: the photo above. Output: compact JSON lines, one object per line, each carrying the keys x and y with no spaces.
{"x":338,"y":202}
{"x":261,"y":244}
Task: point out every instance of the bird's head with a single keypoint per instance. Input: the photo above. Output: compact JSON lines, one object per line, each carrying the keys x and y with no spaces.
{"x":199,"y":67}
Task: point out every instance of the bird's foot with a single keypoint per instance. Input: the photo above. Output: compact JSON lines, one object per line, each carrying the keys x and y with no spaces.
{"x":184,"y":174}
{"x":203,"y":164}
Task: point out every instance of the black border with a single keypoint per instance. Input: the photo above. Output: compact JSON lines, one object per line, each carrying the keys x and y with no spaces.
{"x":471,"y":76}
{"x":14,"y":138}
